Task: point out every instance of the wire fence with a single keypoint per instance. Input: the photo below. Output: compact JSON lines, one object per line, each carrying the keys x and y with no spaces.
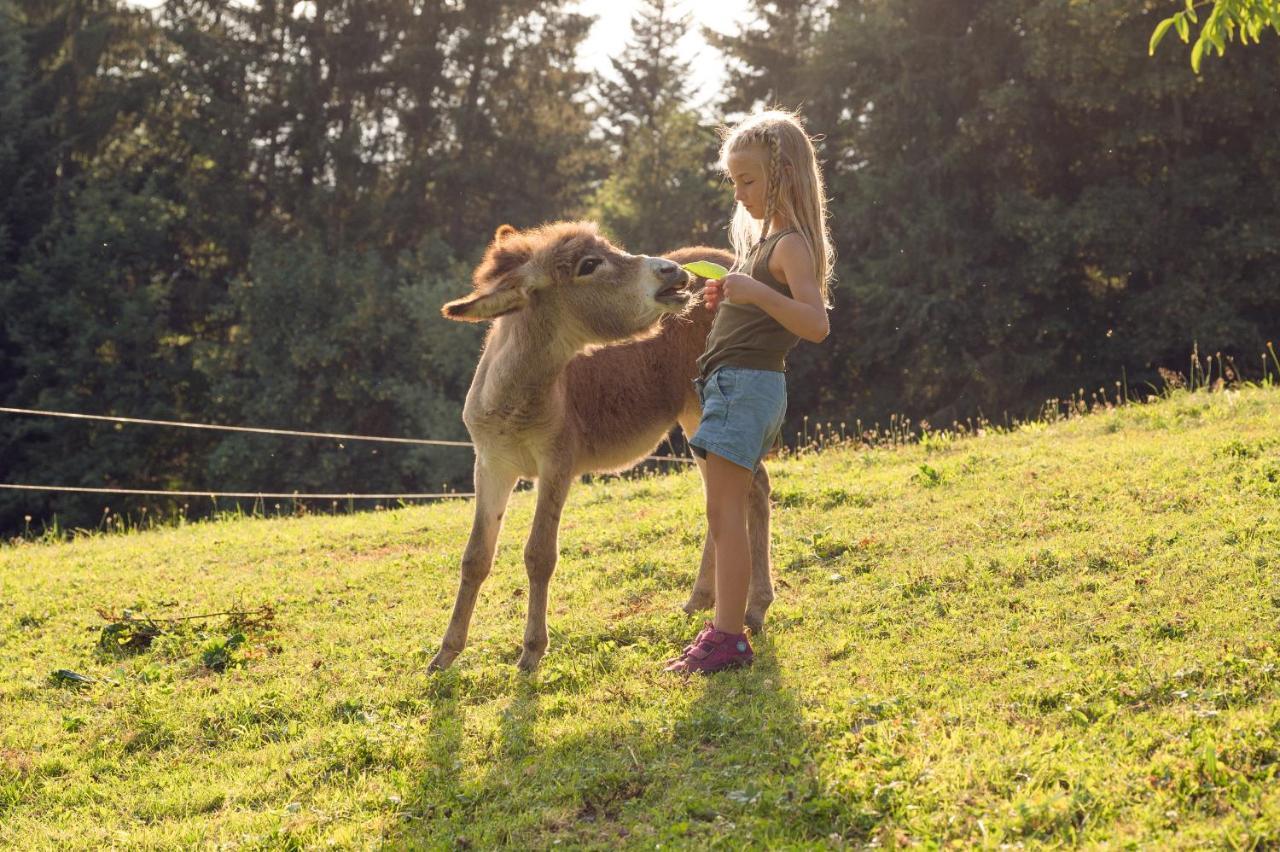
{"x":281,"y":495}
{"x":296,"y":433}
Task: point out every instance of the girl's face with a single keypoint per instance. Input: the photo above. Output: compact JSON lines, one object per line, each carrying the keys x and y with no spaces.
{"x":747,"y":172}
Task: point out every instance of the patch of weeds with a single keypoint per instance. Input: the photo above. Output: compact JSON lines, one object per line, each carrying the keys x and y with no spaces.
{"x":1044,"y":565}
{"x":608,"y":792}
{"x":789,"y":498}
{"x":820,"y":548}
{"x":31,"y":620}
{"x":128,"y":635}
{"x":149,"y":734}
{"x":831,"y":498}
{"x":1055,"y":815}
{"x":1035,"y":568}
{"x":928,"y":477}
{"x":353,"y":710}
{"x":221,"y":654}
{"x":269,"y":718}
{"x":662,"y":575}
{"x":1268,"y":477}
{"x":636,"y":538}
{"x":919,"y":587}
{"x":1175,"y":628}
{"x":1099,"y":563}
{"x":352,"y":750}
{"x":1237,"y":450}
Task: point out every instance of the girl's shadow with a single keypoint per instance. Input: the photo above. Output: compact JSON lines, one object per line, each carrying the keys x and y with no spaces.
{"x":709,"y":752}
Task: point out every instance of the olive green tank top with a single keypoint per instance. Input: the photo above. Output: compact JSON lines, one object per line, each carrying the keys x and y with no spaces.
{"x":745,"y":335}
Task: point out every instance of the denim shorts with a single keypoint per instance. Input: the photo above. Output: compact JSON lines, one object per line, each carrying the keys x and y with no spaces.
{"x":742,"y":412}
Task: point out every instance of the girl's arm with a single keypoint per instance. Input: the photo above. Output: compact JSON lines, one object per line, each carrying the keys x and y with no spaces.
{"x":803,"y":314}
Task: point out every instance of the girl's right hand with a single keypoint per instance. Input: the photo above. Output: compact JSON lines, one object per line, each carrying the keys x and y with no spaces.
{"x":712,"y":293}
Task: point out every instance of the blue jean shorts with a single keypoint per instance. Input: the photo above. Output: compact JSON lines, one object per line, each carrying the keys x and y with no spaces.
{"x":742,"y":413}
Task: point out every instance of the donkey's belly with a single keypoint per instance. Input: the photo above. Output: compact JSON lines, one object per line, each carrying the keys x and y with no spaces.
{"x":625,"y":452}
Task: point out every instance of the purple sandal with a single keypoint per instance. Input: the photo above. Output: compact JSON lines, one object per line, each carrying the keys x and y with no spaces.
{"x":713,"y":651}
{"x":707,"y":630}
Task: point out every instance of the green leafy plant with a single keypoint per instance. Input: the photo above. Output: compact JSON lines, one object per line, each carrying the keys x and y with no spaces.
{"x":1227,"y":18}
{"x":220,"y":654}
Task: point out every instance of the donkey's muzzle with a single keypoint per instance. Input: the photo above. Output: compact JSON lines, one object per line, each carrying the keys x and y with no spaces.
{"x":673,"y":278}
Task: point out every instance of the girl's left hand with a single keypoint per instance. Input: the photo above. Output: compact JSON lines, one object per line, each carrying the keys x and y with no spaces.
{"x":739,"y":289}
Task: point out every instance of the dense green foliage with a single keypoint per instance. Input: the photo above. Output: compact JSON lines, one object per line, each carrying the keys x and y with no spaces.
{"x":662,"y":190}
{"x":1060,"y":637}
{"x":249,"y":213}
{"x":1223,"y":20}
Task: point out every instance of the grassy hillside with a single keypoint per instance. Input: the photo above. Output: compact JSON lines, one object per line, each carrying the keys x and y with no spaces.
{"x":1067,"y":634}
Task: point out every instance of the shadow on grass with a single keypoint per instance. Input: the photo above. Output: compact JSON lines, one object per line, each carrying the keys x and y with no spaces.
{"x":639,"y":758}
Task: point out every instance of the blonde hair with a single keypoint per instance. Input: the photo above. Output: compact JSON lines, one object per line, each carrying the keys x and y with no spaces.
{"x":794,"y":188}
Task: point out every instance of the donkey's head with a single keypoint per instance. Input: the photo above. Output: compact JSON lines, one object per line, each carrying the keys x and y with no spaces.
{"x":571,"y":278}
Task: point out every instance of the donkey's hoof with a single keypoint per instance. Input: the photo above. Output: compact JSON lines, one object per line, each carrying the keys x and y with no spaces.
{"x":442,"y":660}
{"x":755,"y":620}
{"x":699,"y":601}
{"x":529,"y":660}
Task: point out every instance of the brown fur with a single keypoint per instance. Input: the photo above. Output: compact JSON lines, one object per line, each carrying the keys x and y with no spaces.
{"x":557,"y":395}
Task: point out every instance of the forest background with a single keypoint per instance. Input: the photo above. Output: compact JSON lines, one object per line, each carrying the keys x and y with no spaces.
{"x":251,"y":212}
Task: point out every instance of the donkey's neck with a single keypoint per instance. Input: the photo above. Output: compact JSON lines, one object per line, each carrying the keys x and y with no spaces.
{"x":521,"y":371}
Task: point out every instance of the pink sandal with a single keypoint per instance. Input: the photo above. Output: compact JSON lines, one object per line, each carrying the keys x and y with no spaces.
{"x":713,"y":651}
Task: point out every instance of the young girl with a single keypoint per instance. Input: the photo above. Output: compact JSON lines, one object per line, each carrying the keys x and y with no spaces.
{"x":778,"y":296}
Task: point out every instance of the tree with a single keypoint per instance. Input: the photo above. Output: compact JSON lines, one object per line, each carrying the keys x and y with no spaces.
{"x":773,"y":55}
{"x":1018,"y":215}
{"x":662,"y":191}
{"x":250,"y":213}
{"x":1222,"y":22}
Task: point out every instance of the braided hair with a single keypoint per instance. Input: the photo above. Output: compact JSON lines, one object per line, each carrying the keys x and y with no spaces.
{"x":794,"y":189}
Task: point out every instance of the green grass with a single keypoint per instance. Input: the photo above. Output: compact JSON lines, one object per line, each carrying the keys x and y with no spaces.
{"x":1063,"y":635}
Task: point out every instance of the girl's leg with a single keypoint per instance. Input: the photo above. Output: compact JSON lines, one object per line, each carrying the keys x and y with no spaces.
{"x":727,"y":486}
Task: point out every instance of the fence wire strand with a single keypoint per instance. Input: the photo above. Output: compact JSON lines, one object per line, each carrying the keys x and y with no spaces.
{"x":246,"y":495}
{"x":265,"y":431}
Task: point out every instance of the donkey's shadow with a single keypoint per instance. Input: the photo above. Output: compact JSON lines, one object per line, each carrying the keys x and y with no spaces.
{"x":702,"y":751}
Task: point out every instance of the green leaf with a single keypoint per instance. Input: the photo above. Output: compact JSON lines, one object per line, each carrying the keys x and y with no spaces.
{"x":1197,"y":53}
{"x":1161,"y":29}
{"x":1184,"y":31}
{"x":1191,"y":12}
{"x":1210,"y":760}
{"x":706,"y":269}
{"x":1216,"y":35}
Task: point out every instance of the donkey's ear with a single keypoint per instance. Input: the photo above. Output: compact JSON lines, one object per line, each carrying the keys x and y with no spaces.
{"x":503,"y":232}
{"x":481,"y":307}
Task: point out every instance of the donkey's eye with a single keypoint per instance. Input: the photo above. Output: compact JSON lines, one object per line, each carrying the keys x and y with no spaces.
{"x":588,"y":265}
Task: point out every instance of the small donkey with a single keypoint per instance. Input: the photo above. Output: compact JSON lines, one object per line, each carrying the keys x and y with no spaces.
{"x":551,"y":399}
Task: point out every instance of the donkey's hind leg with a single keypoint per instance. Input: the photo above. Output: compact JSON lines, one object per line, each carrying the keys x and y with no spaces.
{"x":493,"y":490}
{"x":760,"y":594}
{"x":703,"y":595}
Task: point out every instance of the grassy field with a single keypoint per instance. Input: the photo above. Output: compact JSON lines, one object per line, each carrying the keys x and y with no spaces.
{"x":1063,"y":635}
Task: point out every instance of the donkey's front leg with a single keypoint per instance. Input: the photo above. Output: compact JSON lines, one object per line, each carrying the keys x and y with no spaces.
{"x":540,"y":555}
{"x":703,"y":595}
{"x":493,"y":490}
{"x":760,"y":594}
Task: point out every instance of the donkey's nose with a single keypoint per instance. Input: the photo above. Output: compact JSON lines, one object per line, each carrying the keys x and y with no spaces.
{"x":671,"y":273}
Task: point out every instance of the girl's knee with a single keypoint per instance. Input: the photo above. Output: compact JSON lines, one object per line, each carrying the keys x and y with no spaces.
{"x":726,"y":520}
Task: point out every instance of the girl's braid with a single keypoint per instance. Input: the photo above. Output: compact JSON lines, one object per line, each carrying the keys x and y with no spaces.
{"x":775,"y":181}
